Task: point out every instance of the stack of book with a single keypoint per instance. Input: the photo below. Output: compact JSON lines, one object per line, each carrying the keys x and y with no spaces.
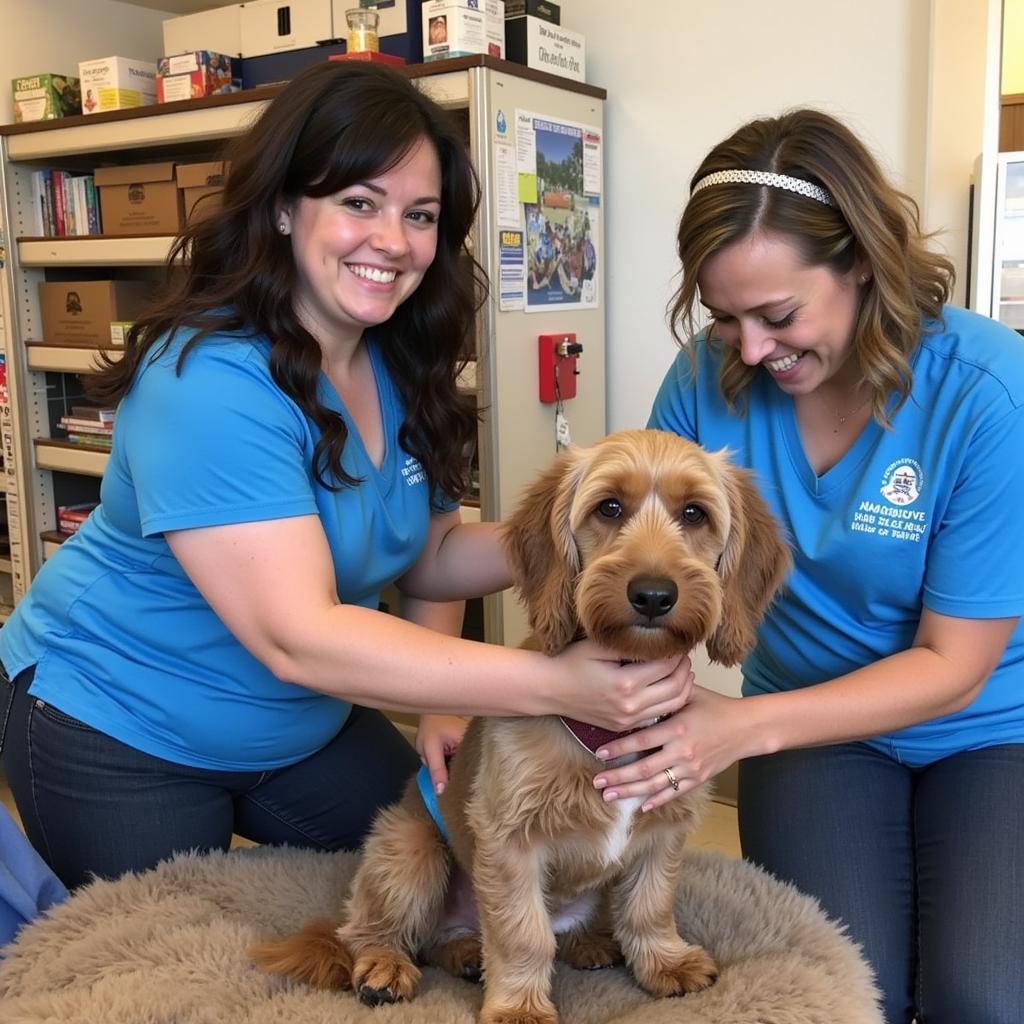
{"x":89,"y":425}
{"x":65,"y":204}
{"x":71,"y":517}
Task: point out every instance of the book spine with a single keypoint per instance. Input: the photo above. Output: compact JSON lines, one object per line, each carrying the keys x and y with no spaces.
{"x":86,"y":426}
{"x":93,"y":413}
{"x":59,"y":203}
{"x":92,"y":205}
{"x":82,"y":205}
{"x":38,"y":204}
{"x":51,"y":215}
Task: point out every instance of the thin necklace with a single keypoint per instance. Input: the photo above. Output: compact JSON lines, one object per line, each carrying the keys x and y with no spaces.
{"x":841,"y":418}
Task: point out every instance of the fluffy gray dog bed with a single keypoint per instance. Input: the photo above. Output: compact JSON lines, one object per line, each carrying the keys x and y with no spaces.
{"x":169,"y":947}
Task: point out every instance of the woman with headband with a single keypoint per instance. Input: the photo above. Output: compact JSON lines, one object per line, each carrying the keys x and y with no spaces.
{"x":881,"y":731}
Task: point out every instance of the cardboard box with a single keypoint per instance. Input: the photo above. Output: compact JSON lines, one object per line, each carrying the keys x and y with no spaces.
{"x":197,"y":181}
{"x":543,"y":9}
{"x":270,"y":26}
{"x":457,"y":28}
{"x":189,"y":76}
{"x":141,"y":199}
{"x":116,"y":83}
{"x":81,"y":312}
{"x":546,"y":47}
{"x":44,"y":97}
{"x":219,"y":30}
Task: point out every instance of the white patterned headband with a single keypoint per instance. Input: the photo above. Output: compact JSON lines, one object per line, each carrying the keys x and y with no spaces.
{"x":790,"y":184}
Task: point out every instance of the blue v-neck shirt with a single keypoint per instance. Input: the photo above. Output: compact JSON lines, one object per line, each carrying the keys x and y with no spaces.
{"x":927,"y":514}
{"x":122,"y":639}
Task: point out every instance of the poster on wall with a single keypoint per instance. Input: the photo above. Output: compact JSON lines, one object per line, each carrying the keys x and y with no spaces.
{"x":559,"y":182}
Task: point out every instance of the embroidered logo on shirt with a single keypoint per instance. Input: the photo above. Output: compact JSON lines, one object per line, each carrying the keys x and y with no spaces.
{"x":902,"y":482}
{"x":413,"y":472}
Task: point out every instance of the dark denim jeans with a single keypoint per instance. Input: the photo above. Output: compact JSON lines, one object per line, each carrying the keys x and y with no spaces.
{"x":92,"y":805}
{"x":925,"y":866}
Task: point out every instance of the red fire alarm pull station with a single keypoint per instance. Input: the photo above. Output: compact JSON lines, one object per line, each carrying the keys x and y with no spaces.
{"x":558,"y":354}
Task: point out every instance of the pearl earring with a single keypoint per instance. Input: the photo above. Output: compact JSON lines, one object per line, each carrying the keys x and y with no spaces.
{"x":864,"y":278}
{"x":283,"y":228}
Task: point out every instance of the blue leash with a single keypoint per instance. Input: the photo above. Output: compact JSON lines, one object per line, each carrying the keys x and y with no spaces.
{"x":430,"y":798}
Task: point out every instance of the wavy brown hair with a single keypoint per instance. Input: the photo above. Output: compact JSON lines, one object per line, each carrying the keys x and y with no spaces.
{"x":871,"y":219}
{"x":334,"y":125}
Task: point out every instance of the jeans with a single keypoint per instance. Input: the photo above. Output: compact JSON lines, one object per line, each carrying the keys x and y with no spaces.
{"x":92,"y":805}
{"x":925,"y":866}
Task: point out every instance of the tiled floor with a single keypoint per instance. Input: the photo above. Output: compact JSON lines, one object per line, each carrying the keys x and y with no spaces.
{"x":717,"y":833}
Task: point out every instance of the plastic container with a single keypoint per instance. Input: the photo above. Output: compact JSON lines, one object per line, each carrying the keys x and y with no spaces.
{"x":362,"y":30}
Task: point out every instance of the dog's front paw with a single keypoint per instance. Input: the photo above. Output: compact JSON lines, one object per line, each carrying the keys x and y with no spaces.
{"x":691,"y":971}
{"x":523,"y":1015}
{"x":382,"y":975}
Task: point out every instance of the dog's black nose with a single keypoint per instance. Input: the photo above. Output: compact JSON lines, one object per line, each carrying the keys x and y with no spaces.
{"x":652,"y":596}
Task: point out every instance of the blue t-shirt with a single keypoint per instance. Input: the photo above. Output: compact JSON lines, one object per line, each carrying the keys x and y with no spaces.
{"x":121,"y":638}
{"x":926,"y":514}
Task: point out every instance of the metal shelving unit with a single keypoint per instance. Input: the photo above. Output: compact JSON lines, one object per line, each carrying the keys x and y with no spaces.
{"x":517,"y":431}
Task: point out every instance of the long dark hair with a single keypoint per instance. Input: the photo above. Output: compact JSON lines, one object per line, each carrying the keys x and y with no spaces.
{"x":909,"y":283}
{"x":335,"y":124}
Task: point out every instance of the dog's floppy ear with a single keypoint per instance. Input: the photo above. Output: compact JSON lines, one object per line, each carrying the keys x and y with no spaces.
{"x":752,"y":567}
{"x":542,"y":552}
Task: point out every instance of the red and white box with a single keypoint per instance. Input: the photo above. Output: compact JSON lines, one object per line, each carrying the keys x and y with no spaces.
{"x":189,"y":76}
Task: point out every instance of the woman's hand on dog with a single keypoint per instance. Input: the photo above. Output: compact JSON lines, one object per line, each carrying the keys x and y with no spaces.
{"x":696,"y":743}
{"x":437,"y":738}
{"x":598,"y":688}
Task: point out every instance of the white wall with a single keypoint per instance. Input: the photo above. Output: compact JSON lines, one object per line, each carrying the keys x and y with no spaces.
{"x":692,"y":73}
{"x":52,"y":36}
{"x":963,"y":122}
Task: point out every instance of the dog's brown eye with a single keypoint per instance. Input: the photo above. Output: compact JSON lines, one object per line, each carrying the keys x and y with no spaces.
{"x":693,"y":515}
{"x":610,"y":508}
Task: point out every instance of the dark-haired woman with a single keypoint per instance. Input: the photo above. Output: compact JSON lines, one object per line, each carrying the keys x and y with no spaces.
{"x":882,"y":722}
{"x":205,"y":656}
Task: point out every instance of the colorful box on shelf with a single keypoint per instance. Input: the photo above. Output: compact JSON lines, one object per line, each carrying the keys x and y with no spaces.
{"x":140,"y":199}
{"x":458,"y":28}
{"x":545,"y":47}
{"x":190,"y":76}
{"x":201,"y":182}
{"x":44,"y":97}
{"x":116,"y":83}
{"x":81,"y":312}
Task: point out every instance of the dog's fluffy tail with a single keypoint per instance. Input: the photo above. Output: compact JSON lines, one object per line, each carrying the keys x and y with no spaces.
{"x":314,"y":955}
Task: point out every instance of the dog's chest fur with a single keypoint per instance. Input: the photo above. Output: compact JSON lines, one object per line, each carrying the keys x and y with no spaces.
{"x":554,"y":804}
{"x":618,"y":836}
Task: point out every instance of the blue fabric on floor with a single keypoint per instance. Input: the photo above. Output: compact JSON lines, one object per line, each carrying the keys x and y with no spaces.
{"x":27,"y":885}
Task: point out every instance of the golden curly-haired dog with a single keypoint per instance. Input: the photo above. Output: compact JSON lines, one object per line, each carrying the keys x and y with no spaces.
{"x":649,"y":545}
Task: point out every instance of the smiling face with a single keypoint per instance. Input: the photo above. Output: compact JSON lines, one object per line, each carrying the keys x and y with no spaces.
{"x":794,"y":320}
{"x":363,"y":251}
